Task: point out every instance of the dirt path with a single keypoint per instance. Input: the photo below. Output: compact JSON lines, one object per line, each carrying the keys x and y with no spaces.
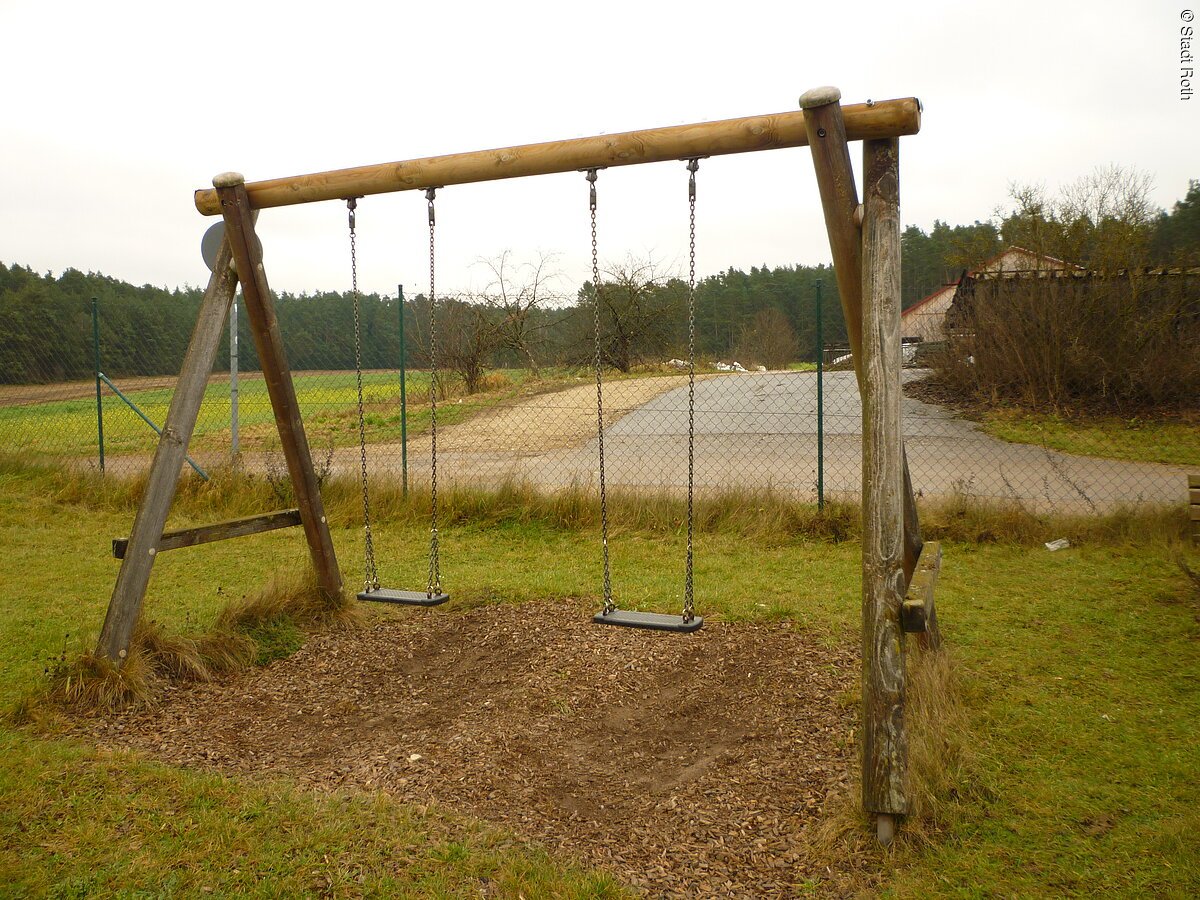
{"x":687,"y":766}
{"x":32,"y":394}
{"x":556,"y":420}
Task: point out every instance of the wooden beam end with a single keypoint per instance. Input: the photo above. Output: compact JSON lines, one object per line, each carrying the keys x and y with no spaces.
{"x":820,"y":96}
{"x":228,"y":179}
{"x":918,"y":612}
{"x":913,"y":616}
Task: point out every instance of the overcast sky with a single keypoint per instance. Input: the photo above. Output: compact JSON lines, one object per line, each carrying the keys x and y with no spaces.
{"x":115,"y":112}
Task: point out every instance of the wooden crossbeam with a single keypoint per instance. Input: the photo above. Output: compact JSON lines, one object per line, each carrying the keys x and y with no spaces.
{"x":864,"y":121}
{"x":218,"y":531}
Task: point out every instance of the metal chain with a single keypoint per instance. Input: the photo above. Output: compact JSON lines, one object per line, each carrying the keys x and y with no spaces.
{"x":371,"y":575}
{"x":689,"y":607}
{"x":434,"y":584}
{"x":609,"y":604}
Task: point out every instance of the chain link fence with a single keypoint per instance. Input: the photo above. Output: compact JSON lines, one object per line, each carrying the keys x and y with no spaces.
{"x":793,"y":430}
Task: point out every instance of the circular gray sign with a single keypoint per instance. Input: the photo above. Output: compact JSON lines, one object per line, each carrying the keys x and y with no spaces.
{"x":210,"y":244}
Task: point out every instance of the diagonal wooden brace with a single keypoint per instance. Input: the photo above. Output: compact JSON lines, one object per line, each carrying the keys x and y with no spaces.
{"x":260,"y":309}
{"x":126,"y":603}
{"x":843,"y":221}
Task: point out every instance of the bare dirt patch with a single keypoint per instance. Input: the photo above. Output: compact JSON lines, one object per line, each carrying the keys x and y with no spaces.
{"x":688,"y":766}
{"x":33,"y":394}
{"x":556,"y":420}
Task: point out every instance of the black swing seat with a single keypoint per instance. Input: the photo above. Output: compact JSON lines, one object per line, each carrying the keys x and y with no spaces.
{"x":406,"y":598}
{"x":653,"y":621}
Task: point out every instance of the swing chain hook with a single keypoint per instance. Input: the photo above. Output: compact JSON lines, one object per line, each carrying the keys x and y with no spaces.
{"x":430,"y":195}
{"x":591,"y":177}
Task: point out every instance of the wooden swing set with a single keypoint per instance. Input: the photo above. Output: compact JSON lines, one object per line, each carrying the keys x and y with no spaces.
{"x":898,"y":571}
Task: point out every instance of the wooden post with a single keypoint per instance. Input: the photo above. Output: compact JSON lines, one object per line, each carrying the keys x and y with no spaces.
{"x":884,"y":581}
{"x":134,"y":576}
{"x":826,"y":128}
{"x":260,"y":309}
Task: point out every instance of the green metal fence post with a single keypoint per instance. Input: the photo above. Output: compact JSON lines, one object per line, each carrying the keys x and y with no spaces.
{"x":820,"y":405}
{"x":96,"y":357}
{"x":403,"y":395}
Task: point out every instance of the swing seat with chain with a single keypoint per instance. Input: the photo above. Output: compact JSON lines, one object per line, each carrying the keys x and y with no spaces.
{"x":610,"y":614}
{"x":408,"y":598}
{"x":652,"y":621}
{"x":371,"y":591}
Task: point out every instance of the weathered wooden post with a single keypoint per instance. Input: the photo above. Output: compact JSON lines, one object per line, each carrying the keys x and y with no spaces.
{"x":865,"y":243}
{"x":885,"y":749}
{"x":126,"y":602}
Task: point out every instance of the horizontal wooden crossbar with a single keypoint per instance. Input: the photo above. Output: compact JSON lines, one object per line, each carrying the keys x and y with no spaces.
{"x":864,"y":121}
{"x":204,"y":534}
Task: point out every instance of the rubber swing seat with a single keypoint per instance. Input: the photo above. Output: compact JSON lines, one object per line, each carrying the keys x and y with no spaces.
{"x":626,"y":618}
{"x":406,"y":598}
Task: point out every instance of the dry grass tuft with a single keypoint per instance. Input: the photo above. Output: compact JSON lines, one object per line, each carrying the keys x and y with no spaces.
{"x":294,"y":597}
{"x":765,"y":515}
{"x":93,"y":684}
{"x":205,"y":657}
{"x":938,"y":739}
{"x":938,"y":761}
{"x":974,"y":520}
{"x":758,"y":514}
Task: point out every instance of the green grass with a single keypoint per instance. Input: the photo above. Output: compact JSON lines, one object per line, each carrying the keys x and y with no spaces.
{"x":1140,"y":440}
{"x":1080,"y":671}
{"x":328,"y":402}
{"x":277,"y":638}
{"x":77,"y":822}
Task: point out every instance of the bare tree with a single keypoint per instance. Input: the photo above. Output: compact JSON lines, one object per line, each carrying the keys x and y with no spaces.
{"x":1102,"y":221}
{"x":769,"y":340}
{"x":517,"y":294}
{"x":469,"y":334}
{"x":639,"y":306}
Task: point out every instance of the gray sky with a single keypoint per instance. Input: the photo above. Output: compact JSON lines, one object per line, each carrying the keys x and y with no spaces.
{"x":115,"y":112}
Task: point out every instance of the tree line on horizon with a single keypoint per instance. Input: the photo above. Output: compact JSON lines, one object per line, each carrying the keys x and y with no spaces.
{"x":765,"y":316}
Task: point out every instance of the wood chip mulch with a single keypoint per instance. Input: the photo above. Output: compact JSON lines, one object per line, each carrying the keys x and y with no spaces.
{"x":686,"y":765}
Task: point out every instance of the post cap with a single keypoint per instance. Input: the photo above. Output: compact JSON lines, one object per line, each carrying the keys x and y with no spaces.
{"x":228,"y":179}
{"x":820,"y":96}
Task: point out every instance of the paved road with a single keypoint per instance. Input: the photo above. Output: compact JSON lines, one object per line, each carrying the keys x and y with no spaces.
{"x":759,"y":430}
